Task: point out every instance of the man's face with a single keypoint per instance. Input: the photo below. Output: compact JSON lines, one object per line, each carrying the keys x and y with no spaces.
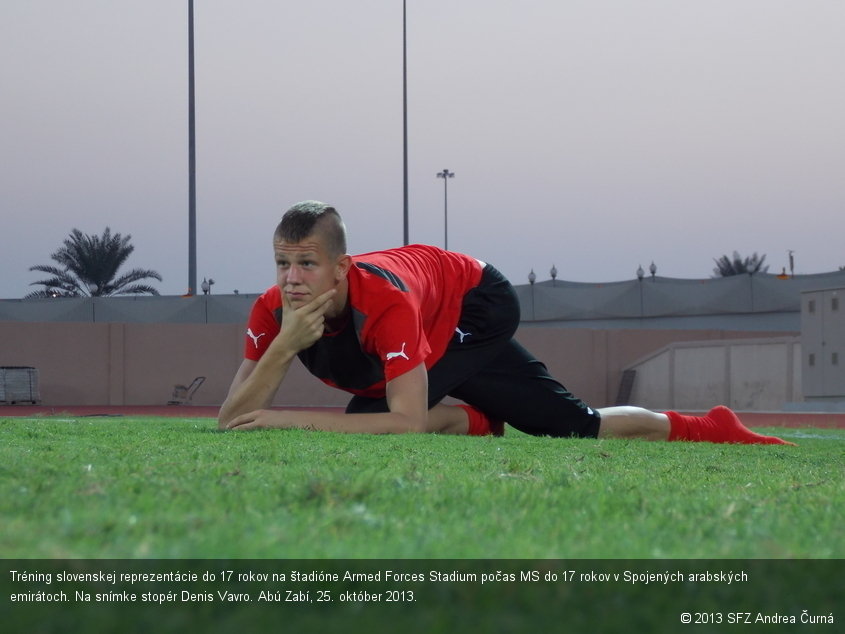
{"x":305,"y":270}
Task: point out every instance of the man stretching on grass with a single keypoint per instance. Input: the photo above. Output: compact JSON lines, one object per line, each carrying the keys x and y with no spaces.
{"x":404,"y":328}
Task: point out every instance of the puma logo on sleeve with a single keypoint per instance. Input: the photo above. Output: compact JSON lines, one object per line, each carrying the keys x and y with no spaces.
{"x":400,"y":353}
{"x":254,"y":337}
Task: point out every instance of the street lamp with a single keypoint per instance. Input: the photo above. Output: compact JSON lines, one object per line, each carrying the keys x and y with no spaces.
{"x":653,"y":270}
{"x":553,"y":273}
{"x":206,"y":285}
{"x":532,"y":277}
{"x":92,"y":291}
{"x":640,"y":276}
{"x":445,"y":175}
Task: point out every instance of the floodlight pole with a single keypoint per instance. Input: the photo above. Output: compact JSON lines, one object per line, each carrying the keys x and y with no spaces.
{"x":445,"y":175}
{"x":406,"y":236}
{"x":192,"y":160}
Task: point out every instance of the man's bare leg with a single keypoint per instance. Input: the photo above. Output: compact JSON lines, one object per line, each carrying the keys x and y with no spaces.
{"x":448,"y":419}
{"x":633,"y":422}
{"x":462,"y":419}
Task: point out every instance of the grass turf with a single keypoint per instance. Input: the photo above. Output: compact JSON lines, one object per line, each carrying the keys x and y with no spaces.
{"x":170,"y":488}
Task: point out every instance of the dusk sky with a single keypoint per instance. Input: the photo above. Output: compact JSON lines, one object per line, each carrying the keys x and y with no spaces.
{"x":595,"y":135}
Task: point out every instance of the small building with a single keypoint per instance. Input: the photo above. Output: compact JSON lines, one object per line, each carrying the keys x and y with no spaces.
{"x":823,"y":345}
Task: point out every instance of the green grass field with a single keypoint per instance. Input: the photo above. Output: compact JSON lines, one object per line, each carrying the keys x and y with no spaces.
{"x":177,"y":488}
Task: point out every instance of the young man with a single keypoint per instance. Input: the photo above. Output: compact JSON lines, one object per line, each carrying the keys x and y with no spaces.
{"x":404,"y":328}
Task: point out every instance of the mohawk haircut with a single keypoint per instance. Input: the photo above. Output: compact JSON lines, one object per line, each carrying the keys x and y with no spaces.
{"x":309,"y":217}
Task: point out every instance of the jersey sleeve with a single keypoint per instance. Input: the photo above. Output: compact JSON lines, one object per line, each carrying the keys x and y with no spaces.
{"x":399,"y":340}
{"x":262,"y":328}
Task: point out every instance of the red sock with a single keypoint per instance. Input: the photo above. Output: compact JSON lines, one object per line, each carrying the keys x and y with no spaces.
{"x":480,"y":424}
{"x":720,"y":425}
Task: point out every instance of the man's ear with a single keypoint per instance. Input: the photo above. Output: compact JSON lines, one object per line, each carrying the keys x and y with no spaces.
{"x":344,"y":263}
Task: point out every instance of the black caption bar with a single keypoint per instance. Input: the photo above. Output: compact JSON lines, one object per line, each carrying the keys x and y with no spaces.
{"x":418,"y":595}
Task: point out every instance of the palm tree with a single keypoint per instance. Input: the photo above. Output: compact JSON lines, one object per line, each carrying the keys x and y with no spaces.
{"x":725,"y":267}
{"x":88,"y":265}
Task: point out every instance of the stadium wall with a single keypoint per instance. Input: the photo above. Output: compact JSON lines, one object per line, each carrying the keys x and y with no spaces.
{"x":140,"y":363}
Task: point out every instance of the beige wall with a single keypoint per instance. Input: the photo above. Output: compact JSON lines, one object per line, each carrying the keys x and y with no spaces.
{"x":590,"y":362}
{"x":138,"y":364}
{"x":746,"y":374}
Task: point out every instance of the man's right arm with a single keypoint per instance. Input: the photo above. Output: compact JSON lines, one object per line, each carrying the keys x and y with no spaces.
{"x":254,"y":385}
{"x":256,"y":382}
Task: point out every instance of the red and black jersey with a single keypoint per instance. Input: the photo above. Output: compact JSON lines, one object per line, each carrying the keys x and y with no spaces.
{"x":404,"y":305}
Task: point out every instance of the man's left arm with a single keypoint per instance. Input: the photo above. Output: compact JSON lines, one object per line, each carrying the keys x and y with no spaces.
{"x":407,"y":400}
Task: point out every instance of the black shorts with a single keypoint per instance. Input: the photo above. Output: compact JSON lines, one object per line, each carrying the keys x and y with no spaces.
{"x":484,"y":367}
